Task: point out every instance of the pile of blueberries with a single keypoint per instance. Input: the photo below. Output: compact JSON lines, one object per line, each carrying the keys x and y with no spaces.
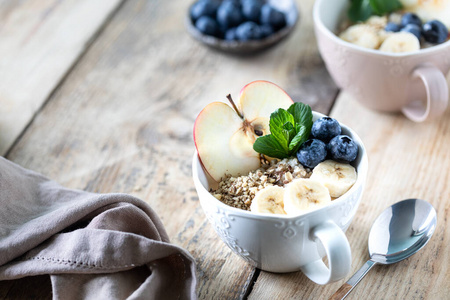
{"x":434,"y":32}
{"x":326,"y":142}
{"x":237,"y":20}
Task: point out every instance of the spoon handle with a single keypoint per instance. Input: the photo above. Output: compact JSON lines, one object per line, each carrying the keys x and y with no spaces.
{"x":346,"y":288}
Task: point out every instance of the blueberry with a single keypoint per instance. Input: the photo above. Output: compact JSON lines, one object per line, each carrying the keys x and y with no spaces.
{"x":229,"y":15}
{"x":251,"y":10}
{"x":342,"y":148}
{"x":435,"y":32}
{"x":207,"y":25}
{"x":325,"y":129}
{"x":311,"y":153}
{"x":410,"y":18}
{"x":392,"y":27}
{"x":272,"y":16}
{"x":204,"y":8}
{"x":266,"y":30}
{"x":234,"y":2}
{"x":230,"y":34}
{"x":412,"y":28}
{"x":248,"y":31}
{"x":260,"y":2}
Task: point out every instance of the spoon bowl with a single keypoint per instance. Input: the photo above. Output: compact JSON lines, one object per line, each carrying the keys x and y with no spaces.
{"x":399,"y":231}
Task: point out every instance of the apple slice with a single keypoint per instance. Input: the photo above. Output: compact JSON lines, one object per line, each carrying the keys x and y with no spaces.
{"x":224,"y":136}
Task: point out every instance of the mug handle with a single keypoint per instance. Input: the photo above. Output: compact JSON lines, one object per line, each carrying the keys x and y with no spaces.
{"x":437,"y":95}
{"x":338,"y":252}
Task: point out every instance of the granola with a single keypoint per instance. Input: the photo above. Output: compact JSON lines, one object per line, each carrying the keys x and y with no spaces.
{"x":239,"y":191}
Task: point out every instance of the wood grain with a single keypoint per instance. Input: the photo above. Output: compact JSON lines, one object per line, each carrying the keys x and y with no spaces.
{"x":122,"y":122}
{"x":39,"y":43}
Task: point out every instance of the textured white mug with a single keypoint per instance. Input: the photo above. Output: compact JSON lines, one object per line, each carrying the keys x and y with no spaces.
{"x":279,"y":243}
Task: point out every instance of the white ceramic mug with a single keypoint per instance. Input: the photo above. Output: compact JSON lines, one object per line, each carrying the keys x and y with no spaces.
{"x":280,"y":243}
{"x":412,"y":82}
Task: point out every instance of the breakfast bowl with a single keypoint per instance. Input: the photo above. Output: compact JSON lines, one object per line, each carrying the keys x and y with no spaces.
{"x":288,"y":243}
{"x":287,"y":7}
{"x":411,"y":82}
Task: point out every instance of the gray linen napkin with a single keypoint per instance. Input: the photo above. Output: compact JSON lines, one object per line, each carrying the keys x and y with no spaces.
{"x":93,"y":246}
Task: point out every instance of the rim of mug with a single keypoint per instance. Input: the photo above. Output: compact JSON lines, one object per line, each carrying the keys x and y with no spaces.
{"x":331,"y":35}
{"x":360,"y":182}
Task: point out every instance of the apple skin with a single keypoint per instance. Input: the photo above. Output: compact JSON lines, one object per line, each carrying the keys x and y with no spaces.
{"x":224,"y":137}
{"x":261,"y":98}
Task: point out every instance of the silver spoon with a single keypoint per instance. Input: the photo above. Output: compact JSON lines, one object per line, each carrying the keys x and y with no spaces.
{"x":399,"y":231}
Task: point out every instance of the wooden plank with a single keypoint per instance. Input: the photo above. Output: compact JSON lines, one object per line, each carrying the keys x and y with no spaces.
{"x":122,"y":122}
{"x":39,"y":42}
{"x":406,"y":160}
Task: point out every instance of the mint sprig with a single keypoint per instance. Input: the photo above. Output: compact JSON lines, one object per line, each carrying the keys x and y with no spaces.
{"x":288,"y":130}
{"x":361,"y":10}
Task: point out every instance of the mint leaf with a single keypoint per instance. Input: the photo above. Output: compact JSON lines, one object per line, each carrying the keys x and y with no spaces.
{"x":381,"y":7}
{"x":301,"y":137}
{"x":289,"y":129}
{"x":278,"y":119}
{"x":269,"y":146}
{"x":302,"y":114}
{"x":360,"y":10}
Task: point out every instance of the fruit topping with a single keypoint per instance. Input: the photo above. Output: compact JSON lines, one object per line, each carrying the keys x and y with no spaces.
{"x":337,"y":177}
{"x":410,"y":18}
{"x":392,"y":27}
{"x":325,"y":129}
{"x":224,"y":135}
{"x":412,"y":28}
{"x":269,"y":200}
{"x":435,"y":32}
{"x":362,"y":35}
{"x":311,"y":153}
{"x":342,"y":148}
{"x":377,"y":33}
{"x":400,"y":42}
{"x":429,"y":10}
{"x":303,"y":195}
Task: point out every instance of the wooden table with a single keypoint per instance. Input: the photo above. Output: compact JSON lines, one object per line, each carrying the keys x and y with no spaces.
{"x":101,"y":95}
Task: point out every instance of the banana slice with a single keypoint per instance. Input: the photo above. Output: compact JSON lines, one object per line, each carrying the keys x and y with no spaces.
{"x":337,"y":177}
{"x":361,"y":35}
{"x":383,"y":35}
{"x":269,"y":200}
{"x":400,"y":42}
{"x":302,"y":195}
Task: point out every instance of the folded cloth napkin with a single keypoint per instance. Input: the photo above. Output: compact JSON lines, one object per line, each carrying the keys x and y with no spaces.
{"x":93,"y":246}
